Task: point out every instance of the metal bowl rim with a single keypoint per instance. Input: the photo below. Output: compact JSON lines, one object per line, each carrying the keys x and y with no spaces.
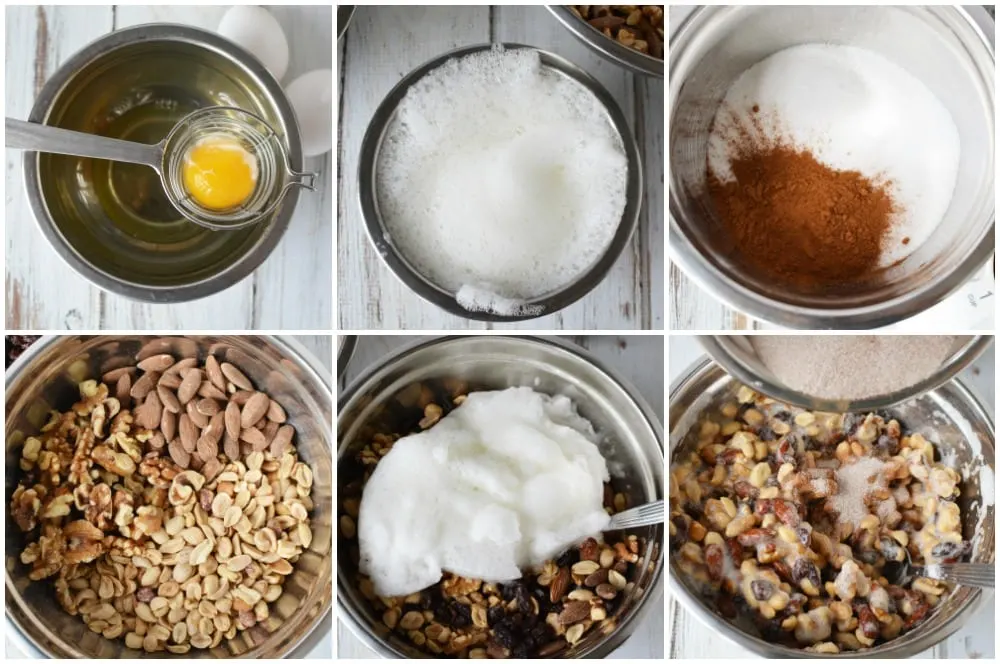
{"x":103,"y":46}
{"x":733,"y":634}
{"x":718,"y":346}
{"x":704,"y":272}
{"x":306,"y":360}
{"x":609,"y":49}
{"x":350,"y":617}
{"x":393,"y":257}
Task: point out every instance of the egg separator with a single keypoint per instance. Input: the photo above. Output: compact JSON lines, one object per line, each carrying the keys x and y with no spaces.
{"x":275,"y":176}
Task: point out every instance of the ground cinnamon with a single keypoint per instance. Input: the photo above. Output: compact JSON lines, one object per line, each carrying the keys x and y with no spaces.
{"x":800,"y":223}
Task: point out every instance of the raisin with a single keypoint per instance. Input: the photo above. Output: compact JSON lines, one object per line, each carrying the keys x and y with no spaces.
{"x":726,"y":605}
{"x":762,"y":590}
{"x":523,"y":600}
{"x":145,"y":594}
{"x":870,"y":557}
{"x":803,"y":569}
{"x":851,"y":422}
{"x":520,"y":651}
{"x":804,"y":532}
{"x":886,"y":446}
{"x":949,"y":552}
{"x":495,"y":614}
{"x":503,"y":636}
{"x":568,"y":558}
{"x":783,"y":415}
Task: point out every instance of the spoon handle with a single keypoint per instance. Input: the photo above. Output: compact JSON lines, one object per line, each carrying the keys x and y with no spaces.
{"x":649,"y":514}
{"x":967,"y":574}
{"x":43,"y":138}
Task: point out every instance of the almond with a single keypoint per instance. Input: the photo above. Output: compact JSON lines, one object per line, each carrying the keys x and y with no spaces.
{"x":189,"y":433}
{"x":144,"y":385}
{"x":241,"y":397}
{"x":254,"y":409}
{"x":189,"y":386}
{"x":207,"y":448}
{"x":211,"y":468}
{"x":180,"y":365}
{"x":208,"y":407}
{"x":276,"y":413}
{"x":179,"y":454}
{"x":148,"y":414}
{"x":255,"y":437}
{"x":559,"y":585}
{"x":574,"y":612}
{"x":231,"y":446}
{"x":200,"y":420}
{"x":123,"y":388}
{"x":171,"y":381}
{"x":282,"y":440}
{"x":215,"y":428}
{"x":209,"y":391}
{"x":236,"y":376}
{"x":233,"y":419}
{"x":168,"y":425}
{"x":168,"y":399}
{"x":114,"y":375}
{"x":214,"y":372}
{"x":158,"y":363}
{"x":596,"y":579}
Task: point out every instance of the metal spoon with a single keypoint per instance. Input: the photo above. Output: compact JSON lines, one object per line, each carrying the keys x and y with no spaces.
{"x":649,"y":514}
{"x":977,"y":575}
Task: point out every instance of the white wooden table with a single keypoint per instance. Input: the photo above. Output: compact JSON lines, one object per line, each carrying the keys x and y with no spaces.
{"x":385,"y":43}
{"x":640,"y":360}
{"x":318,"y":645}
{"x":292,"y":290}
{"x":692,"y":308}
{"x":691,"y":639}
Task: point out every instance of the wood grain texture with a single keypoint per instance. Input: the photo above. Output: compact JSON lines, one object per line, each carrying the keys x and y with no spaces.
{"x":291,"y":290}
{"x":640,"y":359}
{"x":690,"y":639}
{"x":382,"y":45}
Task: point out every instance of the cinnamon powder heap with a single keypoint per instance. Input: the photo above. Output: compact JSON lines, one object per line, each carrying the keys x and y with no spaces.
{"x":800,"y":223}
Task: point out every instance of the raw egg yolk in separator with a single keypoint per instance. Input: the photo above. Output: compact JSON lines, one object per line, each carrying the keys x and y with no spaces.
{"x":219,"y":172}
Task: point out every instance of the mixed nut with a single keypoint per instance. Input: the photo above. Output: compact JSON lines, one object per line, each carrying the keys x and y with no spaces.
{"x":639,"y":27}
{"x":540,"y":614}
{"x":795,"y":519}
{"x":168,"y":505}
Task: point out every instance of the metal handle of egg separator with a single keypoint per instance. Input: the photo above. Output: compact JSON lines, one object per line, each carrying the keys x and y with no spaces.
{"x":23,"y":135}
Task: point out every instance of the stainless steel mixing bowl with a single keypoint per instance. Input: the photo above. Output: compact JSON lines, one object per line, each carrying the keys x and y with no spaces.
{"x":609,"y":49}
{"x":942,"y":46}
{"x":395,"y":257}
{"x":112,"y":222}
{"x":737,"y":356}
{"x":46,"y":377}
{"x":384,"y":398}
{"x":949,"y":416}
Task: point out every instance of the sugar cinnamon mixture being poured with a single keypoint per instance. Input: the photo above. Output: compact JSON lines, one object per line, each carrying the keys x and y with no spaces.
{"x":827,"y":164}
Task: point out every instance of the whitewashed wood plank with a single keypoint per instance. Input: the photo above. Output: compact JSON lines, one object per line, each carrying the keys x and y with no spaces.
{"x":206,"y":17}
{"x":640,"y":360}
{"x":42,"y":292}
{"x":293,"y":289}
{"x":650,"y":96}
{"x":616,"y":303}
{"x":382,"y":45}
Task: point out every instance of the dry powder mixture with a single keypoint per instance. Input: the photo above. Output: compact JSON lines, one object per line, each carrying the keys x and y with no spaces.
{"x":852,"y":367}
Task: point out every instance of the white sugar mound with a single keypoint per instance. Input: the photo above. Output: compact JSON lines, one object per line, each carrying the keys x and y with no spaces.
{"x":496,"y":170}
{"x":503,"y":483}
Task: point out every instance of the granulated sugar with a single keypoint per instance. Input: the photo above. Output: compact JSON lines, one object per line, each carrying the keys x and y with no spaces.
{"x":853,"y":110}
{"x":854,"y":482}
{"x":852,"y":367}
{"x":502,"y":176}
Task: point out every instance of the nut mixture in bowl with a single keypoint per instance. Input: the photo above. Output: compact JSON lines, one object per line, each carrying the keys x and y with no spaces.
{"x":168,"y":505}
{"x":546,"y":612}
{"x":639,"y":27}
{"x":792,"y":520}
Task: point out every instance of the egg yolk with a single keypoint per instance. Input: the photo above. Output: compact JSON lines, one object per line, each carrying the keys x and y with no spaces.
{"x":219,"y":173}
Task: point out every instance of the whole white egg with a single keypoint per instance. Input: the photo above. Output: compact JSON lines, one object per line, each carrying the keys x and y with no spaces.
{"x":311,"y":96}
{"x":259,"y":33}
